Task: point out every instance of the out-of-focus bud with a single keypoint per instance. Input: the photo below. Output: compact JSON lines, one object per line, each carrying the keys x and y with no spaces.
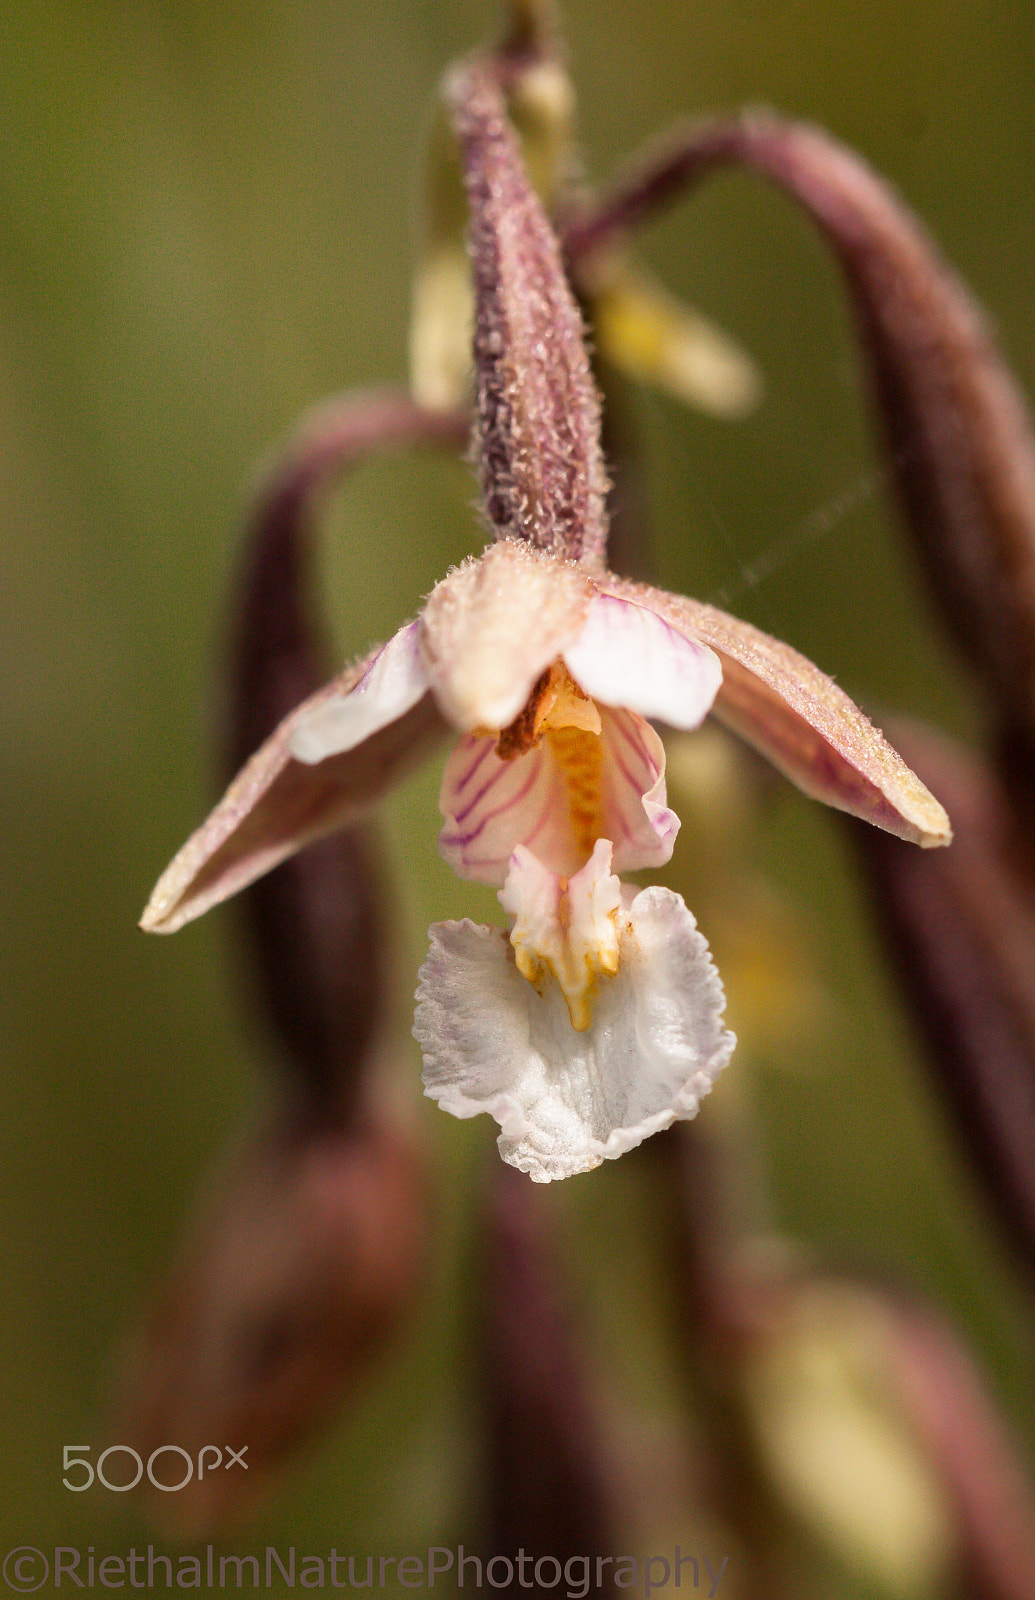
{"x":308,"y":1251}
{"x":847,"y":1426}
{"x":655,"y":339}
{"x":541,"y":102}
{"x":548,"y":1483}
{"x":962,"y":934}
{"x":877,"y":1433}
{"x":945,"y":1398}
{"x":442,"y":310}
{"x":540,"y":98}
{"x":838,"y":1448}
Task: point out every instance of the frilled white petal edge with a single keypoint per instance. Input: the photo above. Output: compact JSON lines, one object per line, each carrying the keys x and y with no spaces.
{"x":394,"y":681}
{"x":627,"y":655}
{"x":492,"y":806}
{"x":567,"y":1101}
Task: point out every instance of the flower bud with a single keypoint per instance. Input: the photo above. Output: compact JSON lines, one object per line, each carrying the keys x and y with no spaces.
{"x":307,"y":1252}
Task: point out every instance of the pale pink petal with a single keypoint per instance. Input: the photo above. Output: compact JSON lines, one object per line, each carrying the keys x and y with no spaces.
{"x":393,"y":680}
{"x":802,"y":722}
{"x":640,"y":824}
{"x":565,"y":1100}
{"x":491,"y":806}
{"x":625,"y":654}
{"x":277,"y":804}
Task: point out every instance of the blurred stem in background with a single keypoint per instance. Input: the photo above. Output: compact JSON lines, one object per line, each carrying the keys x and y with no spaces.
{"x":840,"y":1436}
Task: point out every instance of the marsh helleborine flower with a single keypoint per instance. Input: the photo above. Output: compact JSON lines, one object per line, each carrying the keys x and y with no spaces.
{"x":598,"y":1020}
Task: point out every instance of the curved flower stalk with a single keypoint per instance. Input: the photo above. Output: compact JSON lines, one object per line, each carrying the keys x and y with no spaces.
{"x":314,"y":934}
{"x":598,"y":1019}
{"x":972,"y":995}
{"x":961,"y":445}
{"x":959,"y":437}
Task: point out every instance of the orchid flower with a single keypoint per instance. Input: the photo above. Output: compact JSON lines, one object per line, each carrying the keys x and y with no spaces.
{"x":597,"y":1019}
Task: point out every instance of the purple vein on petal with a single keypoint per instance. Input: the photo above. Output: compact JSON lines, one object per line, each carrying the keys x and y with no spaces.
{"x":489,"y":784}
{"x":636,"y":742}
{"x":483,"y":750}
{"x":490,"y":816}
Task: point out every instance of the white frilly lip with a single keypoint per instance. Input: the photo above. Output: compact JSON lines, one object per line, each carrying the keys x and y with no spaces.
{"x":566,"y":1101}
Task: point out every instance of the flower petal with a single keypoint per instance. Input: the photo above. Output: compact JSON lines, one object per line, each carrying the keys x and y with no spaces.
{"x":393,"y":680}
{"x":639,"y":823}
{"x":654,"y":338}
{"x":625,"y":654}
{"x":277,"y":804}
{"x":491,"y":628}
{"x":566,"y":1101}
{"x":802,"y":722}
{"x":557,"y":808}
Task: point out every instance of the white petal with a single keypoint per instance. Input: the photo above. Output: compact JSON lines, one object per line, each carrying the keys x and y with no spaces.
{"x":277,"y":805}
{"x":627,"y":655}
{"x":566,"y":1101}
{"x":537,"y":800}
{"x":394,"y":681}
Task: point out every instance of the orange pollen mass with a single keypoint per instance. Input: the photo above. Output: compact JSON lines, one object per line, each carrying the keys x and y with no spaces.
{"x":580,"y":757}
{"x":559,"y":711}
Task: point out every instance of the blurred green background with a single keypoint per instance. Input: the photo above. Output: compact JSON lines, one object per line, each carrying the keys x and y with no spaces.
{"x":206,"y":225}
